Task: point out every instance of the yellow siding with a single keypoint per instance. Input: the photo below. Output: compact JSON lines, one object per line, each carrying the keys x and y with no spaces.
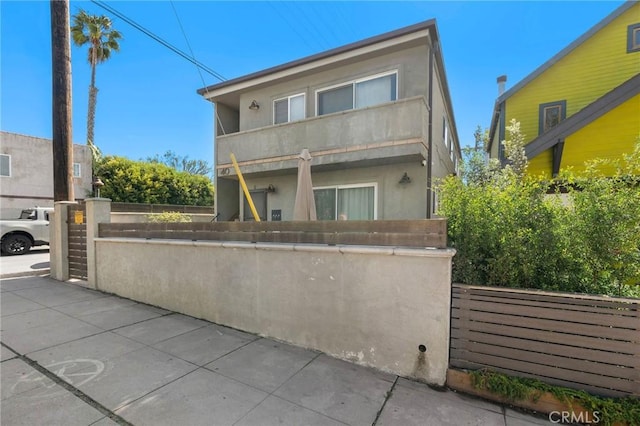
{"x":610,"y":136}
{"x":541,"y":164}
{"x":594,"y":68}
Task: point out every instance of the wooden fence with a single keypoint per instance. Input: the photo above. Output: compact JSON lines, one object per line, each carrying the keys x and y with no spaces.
{"x":159,"y":208}
{"x":581,"y":342}
{"x":400,"y":233}
{"x":77,"y":237}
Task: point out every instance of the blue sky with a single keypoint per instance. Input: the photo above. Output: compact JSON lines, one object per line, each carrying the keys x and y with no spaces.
{"x":147,"y":101}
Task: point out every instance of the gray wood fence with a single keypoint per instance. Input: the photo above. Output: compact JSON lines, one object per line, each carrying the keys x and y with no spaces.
{"x":577,"y":341}
{"x":399,"y":233}
{"x":77,"y":234}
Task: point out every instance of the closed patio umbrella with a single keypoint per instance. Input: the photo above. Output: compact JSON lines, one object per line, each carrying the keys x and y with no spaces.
{"x":305,"y":206}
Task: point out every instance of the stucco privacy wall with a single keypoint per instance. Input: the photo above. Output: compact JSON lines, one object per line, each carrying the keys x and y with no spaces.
{"x":371,"y":305}
{"x":395,"y":200}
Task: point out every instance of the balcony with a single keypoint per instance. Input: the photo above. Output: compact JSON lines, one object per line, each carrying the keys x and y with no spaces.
{"x":390,"y":132}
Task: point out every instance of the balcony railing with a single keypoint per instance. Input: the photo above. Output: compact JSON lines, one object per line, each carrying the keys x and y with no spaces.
{"x":395,"y":129}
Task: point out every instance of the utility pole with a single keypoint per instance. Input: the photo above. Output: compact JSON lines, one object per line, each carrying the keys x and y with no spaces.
{"x":61,"y":86}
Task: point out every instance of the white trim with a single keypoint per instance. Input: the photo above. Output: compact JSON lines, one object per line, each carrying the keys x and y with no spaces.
{"x":354,"y":185}
{"x":353,"y":84}
{"x":79,"y":170}
{"x":446,"y":131}
{"x":288,"y":98}
{"x":8,"y":156}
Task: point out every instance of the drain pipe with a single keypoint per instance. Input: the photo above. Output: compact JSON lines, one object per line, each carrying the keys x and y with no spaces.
{"x":434,"y":46}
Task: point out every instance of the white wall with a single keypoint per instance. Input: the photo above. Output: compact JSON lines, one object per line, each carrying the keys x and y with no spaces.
{"x":371,"y":305}
{"x":31,"y":180}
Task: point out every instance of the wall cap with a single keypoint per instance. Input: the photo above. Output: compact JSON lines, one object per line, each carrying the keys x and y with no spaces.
{"x":343,"y":249}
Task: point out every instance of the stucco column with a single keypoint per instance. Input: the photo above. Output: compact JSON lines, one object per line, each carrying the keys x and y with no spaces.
{"x":98,"y":211}
{"x":59,"y":241}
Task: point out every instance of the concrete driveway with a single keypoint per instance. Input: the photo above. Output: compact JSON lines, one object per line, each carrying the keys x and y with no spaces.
{"x":73,"y":356}
{"x":36,"y":262}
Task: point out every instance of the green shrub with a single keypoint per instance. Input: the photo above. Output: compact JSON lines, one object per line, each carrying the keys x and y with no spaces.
{"x":508,"y":232}
{"x":168,"y":217}
{"x":129,"y":181}
{"x":611,"y":410}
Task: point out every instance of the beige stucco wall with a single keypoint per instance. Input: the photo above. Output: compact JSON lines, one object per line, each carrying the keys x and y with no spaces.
{"x":370,"y":305}
{"x":365,"y":135}
{"x":31,"y":180}
{"x":411,"y":63}
{"x":395,"y":201}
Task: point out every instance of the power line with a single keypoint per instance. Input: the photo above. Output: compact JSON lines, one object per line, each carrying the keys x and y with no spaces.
{"x":284,"y":18}
{"x":158,"y":39}
{"x":175,"y":12}
{"x":184,"y":34}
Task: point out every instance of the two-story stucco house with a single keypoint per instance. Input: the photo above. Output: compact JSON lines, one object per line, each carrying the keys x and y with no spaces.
{"x":26,"y":173}
{"x":581,"y":104}
{"x":376,"y":116}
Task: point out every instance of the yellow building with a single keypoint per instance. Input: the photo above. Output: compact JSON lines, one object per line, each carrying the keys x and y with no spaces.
{"x":581,"y":104}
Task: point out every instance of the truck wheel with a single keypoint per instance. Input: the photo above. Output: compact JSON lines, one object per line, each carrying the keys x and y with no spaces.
{"x":16,"y":244}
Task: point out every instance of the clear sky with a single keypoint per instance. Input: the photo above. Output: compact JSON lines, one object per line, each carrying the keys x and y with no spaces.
{"x":147,"y":100}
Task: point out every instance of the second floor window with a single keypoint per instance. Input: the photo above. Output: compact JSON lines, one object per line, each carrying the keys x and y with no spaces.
{"x":76,"y":170}
{"x":633,"y":38}
{"x":288,"y":109}
{"x":5,"y":165}
{"x":358,"y":94}
{"x":550,"y":115}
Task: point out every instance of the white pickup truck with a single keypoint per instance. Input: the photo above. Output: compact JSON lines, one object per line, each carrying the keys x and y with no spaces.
{"x":31,"y":229}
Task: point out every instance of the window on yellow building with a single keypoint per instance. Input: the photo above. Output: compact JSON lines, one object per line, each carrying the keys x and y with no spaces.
{"x":633,"y":38}
{"x":551,"y":114}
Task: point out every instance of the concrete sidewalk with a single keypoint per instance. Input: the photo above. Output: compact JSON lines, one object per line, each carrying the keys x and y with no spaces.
{"x":36,"y":262}
{"x":73,"y":356}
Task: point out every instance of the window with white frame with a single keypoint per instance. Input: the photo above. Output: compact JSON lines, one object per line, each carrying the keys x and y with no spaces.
{"x":77,"y":170}
{"x":445,"y":130}
{"x":5,"y":165}
{"x":288,"y":109}
{"x":359,"y":93}
{"x":346,"y":202}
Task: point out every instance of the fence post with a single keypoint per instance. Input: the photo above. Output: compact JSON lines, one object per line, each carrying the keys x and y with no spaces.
{"x":98,"y":211}
{"x":59,"y":241}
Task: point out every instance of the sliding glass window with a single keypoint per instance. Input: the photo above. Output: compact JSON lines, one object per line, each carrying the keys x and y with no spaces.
{"x":347,"y":202}
{"x":288,"y":109}
{"x":358,"y":94}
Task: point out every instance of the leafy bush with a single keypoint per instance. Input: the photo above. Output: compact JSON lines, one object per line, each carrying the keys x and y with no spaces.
{"x":508,"y":232}
{"x":168,"y":217}
{"x":612,"y":410}
{"x":131,"y":181}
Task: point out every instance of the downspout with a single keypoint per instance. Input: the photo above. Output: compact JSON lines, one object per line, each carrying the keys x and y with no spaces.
{"x":430,"y":131}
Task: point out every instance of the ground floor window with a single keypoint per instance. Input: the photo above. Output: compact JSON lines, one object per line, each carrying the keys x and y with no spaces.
{"x":5,"y":165}
{"x":346,"y":202}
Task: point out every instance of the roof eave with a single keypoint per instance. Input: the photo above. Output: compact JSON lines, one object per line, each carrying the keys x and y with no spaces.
{"x":564,"y":52}
{"x":421,"y":26}
{"x":586,"y":115}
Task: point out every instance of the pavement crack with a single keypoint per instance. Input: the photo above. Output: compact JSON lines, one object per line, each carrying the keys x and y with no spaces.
{"x":386,"y":398}
{"x":70,"y":388}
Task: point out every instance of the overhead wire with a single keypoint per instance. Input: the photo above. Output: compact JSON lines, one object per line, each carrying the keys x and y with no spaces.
{"x":310,"y":24}
{"x":284,"y":18}
{"x":325,"y":27}
{"x":158,"y":39}
{"x":204,"y":84}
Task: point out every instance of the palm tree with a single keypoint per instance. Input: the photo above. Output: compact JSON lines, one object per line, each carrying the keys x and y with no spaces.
{"x":95,"y":31}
